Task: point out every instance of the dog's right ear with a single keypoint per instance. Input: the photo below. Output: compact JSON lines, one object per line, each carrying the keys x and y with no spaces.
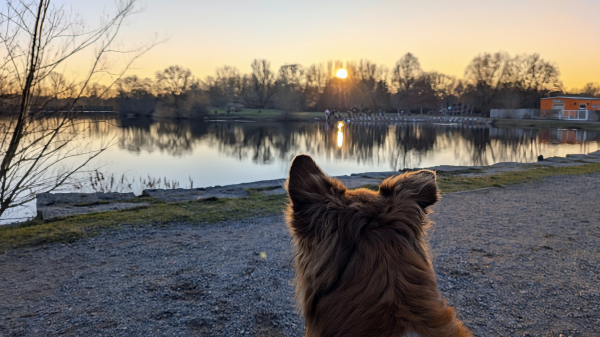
{"x":418,"y":186}
{"x":307,"y":184}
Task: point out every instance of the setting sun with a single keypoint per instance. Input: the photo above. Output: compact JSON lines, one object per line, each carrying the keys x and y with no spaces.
{"x":341,"y":73}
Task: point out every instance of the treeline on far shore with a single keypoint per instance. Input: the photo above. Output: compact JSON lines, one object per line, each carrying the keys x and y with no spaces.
{"x":495,"y":80}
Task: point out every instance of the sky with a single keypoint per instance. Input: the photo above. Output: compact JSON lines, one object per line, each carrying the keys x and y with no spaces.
{"x":444,"y":34}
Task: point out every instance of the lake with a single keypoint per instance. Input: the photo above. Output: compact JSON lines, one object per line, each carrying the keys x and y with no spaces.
{"x":195,"y":153}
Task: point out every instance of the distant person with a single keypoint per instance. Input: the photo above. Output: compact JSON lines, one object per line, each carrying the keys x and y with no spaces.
{"x":327,"y":113}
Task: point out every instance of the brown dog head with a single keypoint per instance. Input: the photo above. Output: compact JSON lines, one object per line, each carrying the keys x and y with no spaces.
{"x":360,"y":255}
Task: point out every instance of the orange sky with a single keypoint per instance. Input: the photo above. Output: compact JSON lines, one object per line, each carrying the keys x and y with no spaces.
{"x":444,"y":34}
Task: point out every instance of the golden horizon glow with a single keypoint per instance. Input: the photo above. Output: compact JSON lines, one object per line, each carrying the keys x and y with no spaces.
{"x":341,"y":73}
{"x":444,"y":46}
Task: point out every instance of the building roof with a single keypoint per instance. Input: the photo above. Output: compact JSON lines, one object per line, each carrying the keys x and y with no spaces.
{"x":572,"y":97}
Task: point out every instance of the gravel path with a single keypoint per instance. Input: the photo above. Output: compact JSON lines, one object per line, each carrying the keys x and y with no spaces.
{"x":519,"y":261}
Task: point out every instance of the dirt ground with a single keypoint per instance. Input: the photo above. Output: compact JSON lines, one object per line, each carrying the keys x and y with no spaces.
{"x":519,"y":261}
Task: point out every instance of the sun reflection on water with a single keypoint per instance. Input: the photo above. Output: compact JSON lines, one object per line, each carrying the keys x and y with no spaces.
{"x":340,"y":135}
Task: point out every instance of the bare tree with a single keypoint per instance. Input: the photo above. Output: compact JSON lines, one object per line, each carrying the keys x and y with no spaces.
{"x":315,"y":81}
{"x":290,"y":83}
{"x":173,"y":82}
{"x":487,"y":70}
{"x":225,"y":88}
{"x":262,"y":83}
{"x":485,"y":76}
{"x":37,"y":38}
{"x":530,"y":77}
{"x":406,"y":72}
{"x":531,"y":73}
{"x":590,"y":90}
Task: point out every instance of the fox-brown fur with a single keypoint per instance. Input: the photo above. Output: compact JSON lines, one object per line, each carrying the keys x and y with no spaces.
{"x":362,"y":262}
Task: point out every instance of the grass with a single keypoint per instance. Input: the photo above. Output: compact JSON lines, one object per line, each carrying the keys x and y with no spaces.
{"x":454,"y":183}
{"x":71,"y":228}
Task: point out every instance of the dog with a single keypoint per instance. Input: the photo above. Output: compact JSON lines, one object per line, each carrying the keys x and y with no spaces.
{"x":362,"y":262}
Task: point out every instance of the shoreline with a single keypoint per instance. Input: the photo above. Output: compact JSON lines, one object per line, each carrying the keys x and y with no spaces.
{"x":55,"y":205}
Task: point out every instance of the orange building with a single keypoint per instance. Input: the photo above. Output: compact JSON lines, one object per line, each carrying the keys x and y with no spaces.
{"x":571,"y":107}
{"x":570,"y":103}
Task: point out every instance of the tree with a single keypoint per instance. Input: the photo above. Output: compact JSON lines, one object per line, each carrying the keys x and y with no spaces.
{"x":485,"y":75}
{"x":381,"y":96}
{"x":315,"y":82}
{"x":136,"y":96}
{"x":180,"y":95}
{"x":487,"y":69}
{"x":531,"y":77}
{"x":37,"y":38}
{"x":225,"y":88}
{"x":290,"y":88}
{"x":261,"y":84}
{"x":590,"y":90}
{"x":406,"y":72}
{"x":174,"y":80}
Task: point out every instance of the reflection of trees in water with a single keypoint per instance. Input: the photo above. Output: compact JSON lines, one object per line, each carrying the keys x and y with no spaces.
{"x":174,"y":137}
{"x":412,"y":140}
{"x":364,"y":141}
{"x":399,"y":146}
{"x":257,"y":142}
{"x":517,"y":145}
{"x":478,"y":145}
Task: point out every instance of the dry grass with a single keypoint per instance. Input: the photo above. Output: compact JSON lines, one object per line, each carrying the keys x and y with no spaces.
{"x":73,"y":227}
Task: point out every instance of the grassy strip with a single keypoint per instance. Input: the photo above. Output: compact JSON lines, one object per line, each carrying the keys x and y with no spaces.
{"x":452,"y":183}
{"x":71,"y":228}
{"x":214,"y":210}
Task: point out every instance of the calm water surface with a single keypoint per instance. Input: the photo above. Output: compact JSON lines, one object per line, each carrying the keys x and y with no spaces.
{"x":222,"y":153}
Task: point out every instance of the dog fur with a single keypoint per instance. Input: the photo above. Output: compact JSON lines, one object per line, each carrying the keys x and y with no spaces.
{"x":362,"y":262}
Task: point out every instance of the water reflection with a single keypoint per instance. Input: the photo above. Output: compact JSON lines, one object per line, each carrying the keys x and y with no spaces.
{"x":340,"y":135}
{"x":381,"y":146}
{"x":223,"y":153}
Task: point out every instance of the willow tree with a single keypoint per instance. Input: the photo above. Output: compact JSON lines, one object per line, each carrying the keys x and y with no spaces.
{"x":38,"y":131}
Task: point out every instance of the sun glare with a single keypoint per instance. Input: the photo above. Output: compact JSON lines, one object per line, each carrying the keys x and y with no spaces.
{"x":341,"y":73}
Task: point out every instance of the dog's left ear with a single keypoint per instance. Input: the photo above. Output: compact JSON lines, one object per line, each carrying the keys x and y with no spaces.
{"x":307,"y":184}
{"x":419,"y":186}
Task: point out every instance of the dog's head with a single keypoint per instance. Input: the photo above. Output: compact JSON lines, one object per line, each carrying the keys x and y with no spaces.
{"x":355,"y":238}
{"x":321,"y":206}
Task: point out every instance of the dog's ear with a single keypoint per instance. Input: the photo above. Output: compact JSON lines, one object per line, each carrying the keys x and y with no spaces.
{"x":419,"y":186}
{"x":307,"y":184}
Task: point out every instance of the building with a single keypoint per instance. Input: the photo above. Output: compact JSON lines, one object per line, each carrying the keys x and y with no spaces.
{"x":571,"y":107}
